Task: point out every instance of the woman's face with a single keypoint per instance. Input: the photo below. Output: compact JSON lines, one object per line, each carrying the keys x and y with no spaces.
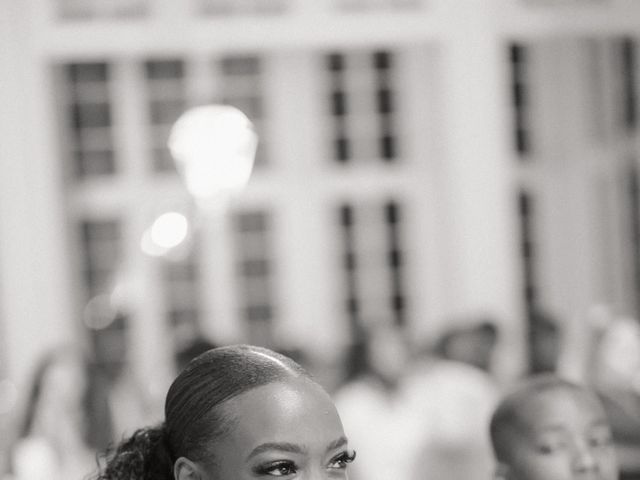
{"x":289,"y":430}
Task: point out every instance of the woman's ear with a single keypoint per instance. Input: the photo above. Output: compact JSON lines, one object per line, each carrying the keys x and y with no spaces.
{"x":501,"y":472}
{"x":185,"y":469}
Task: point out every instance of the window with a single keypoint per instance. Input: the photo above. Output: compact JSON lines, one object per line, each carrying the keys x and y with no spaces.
{"x":632,"y":180}
{"x":242,"y":7}
{"x":101,"y":248}
{"x":520,"y":99}
{"x":563,"y":2}
{"x":373,"y":262}
{"x":628,"y":97}
{"x":89,"y":119}
{"x":242,"y":87}
{"x":394,"y":260}
{"x":166,"y":94}
{"x":350,"y":268}
{"x":254,"y":269}
{"x":101,"y":245}
{"x":362,"y":106}
{"x":92,"y":9}
{"x":527,"y":249}
{"x":365,"y":5}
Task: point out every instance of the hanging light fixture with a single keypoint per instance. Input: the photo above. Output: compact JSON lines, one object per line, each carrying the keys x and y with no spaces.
{"x":214,"y":148}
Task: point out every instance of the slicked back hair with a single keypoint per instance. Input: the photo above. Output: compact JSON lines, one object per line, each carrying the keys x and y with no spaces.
{"x":194,"y":411}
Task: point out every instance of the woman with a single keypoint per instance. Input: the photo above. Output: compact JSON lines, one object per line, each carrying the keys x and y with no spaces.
{"x":377,"y":407}
{"x":238,"y":412}
{"x":64,"y":422}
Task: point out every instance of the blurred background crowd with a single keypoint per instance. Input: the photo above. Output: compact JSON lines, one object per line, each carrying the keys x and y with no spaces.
{"x":445,"y":198}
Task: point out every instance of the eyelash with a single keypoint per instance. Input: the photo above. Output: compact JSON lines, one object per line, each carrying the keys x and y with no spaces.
{"x":344,"y":459}
{"x":278,"y":466}
{"x":285,"y":467}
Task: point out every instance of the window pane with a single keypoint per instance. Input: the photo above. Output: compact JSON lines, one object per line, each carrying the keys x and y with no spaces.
{"x":166,"y":100}
{"x":90,"y":120}
{"x":100,"y":9}
{"x":361,"y":106}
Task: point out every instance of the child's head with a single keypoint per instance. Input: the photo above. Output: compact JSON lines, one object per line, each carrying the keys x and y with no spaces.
{"x":552,"y":429}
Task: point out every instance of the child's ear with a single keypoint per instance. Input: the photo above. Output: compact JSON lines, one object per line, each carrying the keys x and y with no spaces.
{"x":501,"y":472}
{"x":185,"y":469}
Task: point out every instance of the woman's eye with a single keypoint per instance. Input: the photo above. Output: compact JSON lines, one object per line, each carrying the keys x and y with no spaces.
{"x":277,"y":469}
{"x":342,"y":460}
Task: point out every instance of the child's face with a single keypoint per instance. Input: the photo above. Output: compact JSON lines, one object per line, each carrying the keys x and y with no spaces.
{"x":563,"y":435}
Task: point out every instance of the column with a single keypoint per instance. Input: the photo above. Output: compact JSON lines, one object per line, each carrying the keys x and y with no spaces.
{"x":478,"y":213}
{"x":149,"y":346}
{"x":308,"y":238}
{"x":36,"y":307}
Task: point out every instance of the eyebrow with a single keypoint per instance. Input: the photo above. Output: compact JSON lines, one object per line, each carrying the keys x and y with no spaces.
{"x":292,"y":447}
{"x":280,"y":446}
{"x":337,"y":443}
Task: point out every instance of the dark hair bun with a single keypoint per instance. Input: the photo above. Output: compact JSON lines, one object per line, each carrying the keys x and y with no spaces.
{"x":143,"y":456}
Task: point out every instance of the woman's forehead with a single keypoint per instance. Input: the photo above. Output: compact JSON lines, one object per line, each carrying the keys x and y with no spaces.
{"x":291,"y":410}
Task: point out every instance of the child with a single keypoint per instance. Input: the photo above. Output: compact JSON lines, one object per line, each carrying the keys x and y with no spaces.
{"x":552,"y":429}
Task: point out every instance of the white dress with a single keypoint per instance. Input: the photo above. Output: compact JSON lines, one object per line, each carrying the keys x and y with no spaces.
{"x":35,"y":458}
{"x":383,"y":427}
{"x":456,"y":401}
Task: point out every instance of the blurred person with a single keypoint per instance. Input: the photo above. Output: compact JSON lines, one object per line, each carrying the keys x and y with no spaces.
{"x":64,"y":421}
{"x":377,"y":407}
{"x":615,"y":364}
{"x":456,"y":395}
{"x":472,"y":343}
{"x":602,"y":351}
{"x":614,"y":368}
{"x":545,"y":343}
{"x":548,"y":428}
{"x":238,"y":412}
{"x":129,"y":398}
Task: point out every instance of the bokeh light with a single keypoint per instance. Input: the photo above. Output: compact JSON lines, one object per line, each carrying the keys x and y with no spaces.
{"x":99,"y":312}
{"x":169,"y":230}
{"x":214,"y":148}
